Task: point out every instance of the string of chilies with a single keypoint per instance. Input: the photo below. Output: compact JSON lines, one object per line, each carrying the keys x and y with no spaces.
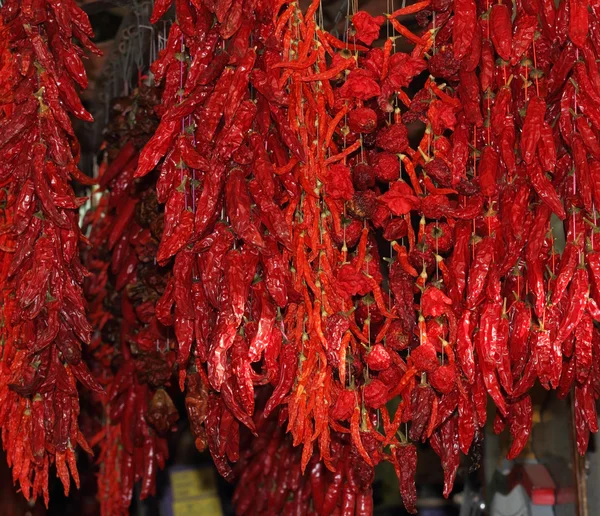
{"x":497,"y":315}
{"x":44,"y":323}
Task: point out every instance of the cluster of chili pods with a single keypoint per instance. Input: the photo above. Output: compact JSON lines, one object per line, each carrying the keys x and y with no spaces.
{"x":310,"y":265}
{"x":44,"y":322}
{"x":524,"y":84}
{"x":271,"y":479}
{"x":130,"y":352}
{"x":272,"y":233}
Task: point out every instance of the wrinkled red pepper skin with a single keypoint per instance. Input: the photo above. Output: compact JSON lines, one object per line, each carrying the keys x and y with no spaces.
{"x":405,"y":463}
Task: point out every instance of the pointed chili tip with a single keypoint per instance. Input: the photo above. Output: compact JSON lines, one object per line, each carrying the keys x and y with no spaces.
{"x":86,"y":116}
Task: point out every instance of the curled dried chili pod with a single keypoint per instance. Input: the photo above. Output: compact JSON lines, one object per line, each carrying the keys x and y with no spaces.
{"x":162,"y":413}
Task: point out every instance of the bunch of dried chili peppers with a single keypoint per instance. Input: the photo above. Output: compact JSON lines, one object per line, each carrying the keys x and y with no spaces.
{"x":44,"y":322}
{"x":273,"y":243}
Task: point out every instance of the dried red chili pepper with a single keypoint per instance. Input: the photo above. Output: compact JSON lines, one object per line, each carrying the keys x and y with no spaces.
{"x":501,"y":30}
{"x":465,"y":20}
{"x":449,"y":452}
{"x":578,"y":292}
{"x":520,"y":418}
{"x":405,"y":464}
{"x":545,"y":190}
{"x":588,"y":136}
{"x":524,"y":33}
{"x":421,"y":404}
{"x":534,"y":119}
{"x":566,"y":269}
{"x":367,"y":27}
{"x":479,"y":269}
{"x":466,"y":420}
{"x":289,"y":362}
{"x":356,"y":437}
{"x":578,"y":22}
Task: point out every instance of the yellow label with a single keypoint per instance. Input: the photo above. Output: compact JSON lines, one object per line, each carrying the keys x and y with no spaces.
{"x":195,"y":492}
{"x":191,"y":483}
{"x":203,"y":506}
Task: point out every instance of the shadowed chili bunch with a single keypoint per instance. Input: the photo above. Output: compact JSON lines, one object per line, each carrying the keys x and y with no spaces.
{"x":131,"y":353}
